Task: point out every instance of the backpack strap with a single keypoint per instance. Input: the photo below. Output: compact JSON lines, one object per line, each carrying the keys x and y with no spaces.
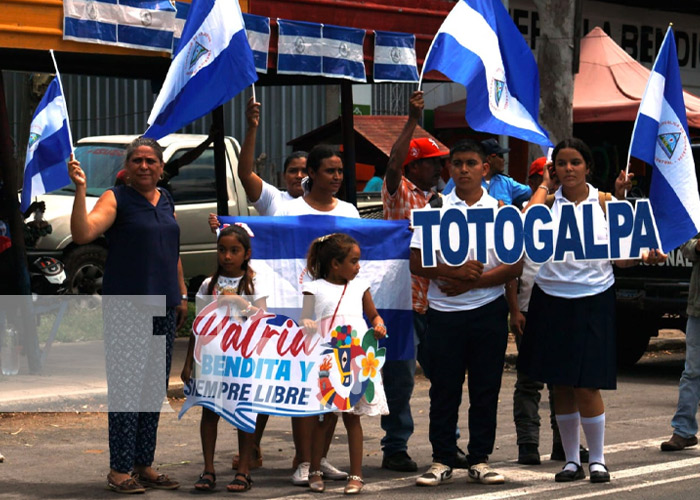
{"x":602,"y":198}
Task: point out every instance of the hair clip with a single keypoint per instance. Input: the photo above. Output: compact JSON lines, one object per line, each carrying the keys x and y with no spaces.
{"x":245,"y":227}
{"x":321,"y":239}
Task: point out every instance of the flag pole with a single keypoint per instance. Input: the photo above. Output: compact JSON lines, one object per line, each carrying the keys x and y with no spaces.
{"x":425,"y":60}
{"x":252,"y":86}
{"x":65,"y":107}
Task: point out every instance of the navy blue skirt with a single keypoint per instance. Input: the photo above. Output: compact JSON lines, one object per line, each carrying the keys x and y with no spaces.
{"x":570,"y":342}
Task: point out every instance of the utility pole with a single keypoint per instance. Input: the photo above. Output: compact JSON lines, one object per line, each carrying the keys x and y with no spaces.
{"x":555,"y":60}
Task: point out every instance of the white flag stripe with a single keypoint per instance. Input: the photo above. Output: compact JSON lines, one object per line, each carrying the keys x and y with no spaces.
{"x":652,"y":101}
{"x":258,"y":41}
{"x":48,"y":121}
{"x":384,"y":55}
{"x":225,"y":21}
{"x":687,"y":192}
{"x":312,"y":46}
{"x":179,"y":24}
{"x":482,"y":41}
{"x":38,"y":187}
{"x":118,"y":14}
{"x":332,"y":48}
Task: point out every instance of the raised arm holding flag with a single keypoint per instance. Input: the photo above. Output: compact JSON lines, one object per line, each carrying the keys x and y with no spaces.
{"x":661,"y":139}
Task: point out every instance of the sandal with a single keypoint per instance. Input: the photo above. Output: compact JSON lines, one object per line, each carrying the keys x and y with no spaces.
{"x":316,"y":486}
{"x":246,"y":482}
{"x":205,"y":484}
{"x":162,"y":482}
{"x":354,"y":489}
{"x":129,"y":486}
{"x":256,"y":463}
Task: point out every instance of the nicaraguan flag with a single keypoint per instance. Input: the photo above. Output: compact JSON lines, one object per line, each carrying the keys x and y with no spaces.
{"x":213,"y":63}
{"x":660,"y":138}
{"x":258,"y":31}
{"x":479,"y":46}
{"x":343,"y":54}
{"x":394,"y":57}
{"x":183,"y":8}
{"x":279,"y":249}
{"x":299,"y":48}
{"x":138,"y":24}
{"x":45,"y":169}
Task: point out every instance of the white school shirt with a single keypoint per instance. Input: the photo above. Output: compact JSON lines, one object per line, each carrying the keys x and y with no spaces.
{"x":299,"y":207}
{"x":472,"y":299}
{"x":571,"y":279}
{"x":259,"y":287}
{"x":271,"y":199}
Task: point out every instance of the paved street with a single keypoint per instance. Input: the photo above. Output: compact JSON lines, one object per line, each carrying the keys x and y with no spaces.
{"x":65,"y":455}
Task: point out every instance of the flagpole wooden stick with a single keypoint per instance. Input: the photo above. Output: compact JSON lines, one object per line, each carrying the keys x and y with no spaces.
{"x":252,"y":86}
{"x":65,"y":107}
{"x":422,"y":69}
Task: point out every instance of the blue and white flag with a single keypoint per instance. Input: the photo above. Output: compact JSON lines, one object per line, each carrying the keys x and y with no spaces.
{"x":280,"y":246}
{"x":479,"y":46}
{"x":45,"y":169}
{"x":258,"y":31}
{"x":320,"y":50}
{"x":395,"y":57}
{"x":343,"y":53}
{"x":183,"y":9}
{"x":213,"y":63}
{"x":299,"y":48}
{"x":138,"y":24}
{"x":660,"y":138}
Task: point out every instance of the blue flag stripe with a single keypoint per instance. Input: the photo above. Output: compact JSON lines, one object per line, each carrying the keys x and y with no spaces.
{"x":90,"y":30}
{"x":299,"y":28}
{"x":351,"y":35}
{"x":392,"y":39}
{"x":299,"y":64}
{"x":151,"y":5}
{"x":183,"y":9}
{"x":371,"y":234}
{"x":257,"y":23}
{"x":143,"y":36}
{"x":195,"y":18}
{"x":189,"y":101}
{"x":395,"y":71}
{"x":674,"y":225}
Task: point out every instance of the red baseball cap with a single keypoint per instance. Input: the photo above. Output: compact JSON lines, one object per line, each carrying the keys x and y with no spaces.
{"x":425,"y":147}
{"x":537,"y":166}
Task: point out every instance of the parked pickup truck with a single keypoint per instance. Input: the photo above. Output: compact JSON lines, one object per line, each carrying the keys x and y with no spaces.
{"x":192,"y":188}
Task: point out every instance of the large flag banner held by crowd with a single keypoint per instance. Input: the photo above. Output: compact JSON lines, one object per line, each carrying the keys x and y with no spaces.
{"x":213,"y":63}
{"x":49,"y":146}
{"x":660,"y":138}
{"x":138,"y":24}
{"x":479,"y":46}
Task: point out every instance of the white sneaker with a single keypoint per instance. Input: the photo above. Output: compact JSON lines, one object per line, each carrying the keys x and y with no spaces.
{"x":301,"y":475}
{"x":482,"y":473}
{"x":436,"y":475}
{"x":331,"y":472}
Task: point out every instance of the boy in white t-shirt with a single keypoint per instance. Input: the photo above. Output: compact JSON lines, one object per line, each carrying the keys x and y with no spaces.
{"x":467,"y":331}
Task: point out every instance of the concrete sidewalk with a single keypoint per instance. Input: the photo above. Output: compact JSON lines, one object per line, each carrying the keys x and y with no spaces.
{"x":73,"y":378}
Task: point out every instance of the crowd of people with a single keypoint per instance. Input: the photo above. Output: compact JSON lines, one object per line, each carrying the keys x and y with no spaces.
{"x":563,"y":313}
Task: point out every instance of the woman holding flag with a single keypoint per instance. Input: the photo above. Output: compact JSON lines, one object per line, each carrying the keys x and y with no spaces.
{"x":569,"y":338}
{"x":143,"y":241}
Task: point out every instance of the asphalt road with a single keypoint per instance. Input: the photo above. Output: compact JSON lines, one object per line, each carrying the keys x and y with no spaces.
{"x":65,"y":455}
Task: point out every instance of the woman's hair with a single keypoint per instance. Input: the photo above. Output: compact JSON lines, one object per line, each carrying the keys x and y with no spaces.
{"x":579,"y":146}
{"x":295,"y":155}
{"x":326,"y":248}
{"x":245,"y":287}
{"x":143,"y":141}
{"x":316,"y":157}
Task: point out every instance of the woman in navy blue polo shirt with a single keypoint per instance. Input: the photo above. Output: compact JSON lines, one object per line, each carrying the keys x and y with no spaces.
{"x":143,"y":240}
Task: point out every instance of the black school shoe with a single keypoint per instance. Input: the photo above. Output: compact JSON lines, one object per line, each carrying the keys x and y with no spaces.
{"x":460,"y":461}
{"x":528,"y":454}
{"x":599,"y":476}
{"x":399,"y":462}
{"x":566,"y":475}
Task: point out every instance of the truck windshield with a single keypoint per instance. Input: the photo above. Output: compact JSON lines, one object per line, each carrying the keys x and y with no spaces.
{"x":100,"y":162}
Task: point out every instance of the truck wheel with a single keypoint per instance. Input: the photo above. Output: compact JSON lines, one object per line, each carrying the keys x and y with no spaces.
{"x":85,"y":268}
{"x":634,"y":329}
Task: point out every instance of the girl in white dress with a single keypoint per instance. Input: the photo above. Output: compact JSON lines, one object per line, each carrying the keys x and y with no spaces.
{"x":335,"y":298}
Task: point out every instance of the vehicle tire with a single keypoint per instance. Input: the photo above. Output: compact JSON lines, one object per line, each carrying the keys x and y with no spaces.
{"x":634,"y":329}
{"x":85,"y":267}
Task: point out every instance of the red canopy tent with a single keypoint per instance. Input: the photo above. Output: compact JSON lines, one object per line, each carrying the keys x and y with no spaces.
{"x":608,"y":87}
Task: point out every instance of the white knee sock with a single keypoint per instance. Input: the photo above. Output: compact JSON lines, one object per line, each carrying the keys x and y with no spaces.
{"x":594,"y":429}
{"x":569,"y":424}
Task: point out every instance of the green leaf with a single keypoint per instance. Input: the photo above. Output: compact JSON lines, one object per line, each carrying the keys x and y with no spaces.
{"x":380,"y":353}
{"x":369,"y":393}
{"x":369,"y":341}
